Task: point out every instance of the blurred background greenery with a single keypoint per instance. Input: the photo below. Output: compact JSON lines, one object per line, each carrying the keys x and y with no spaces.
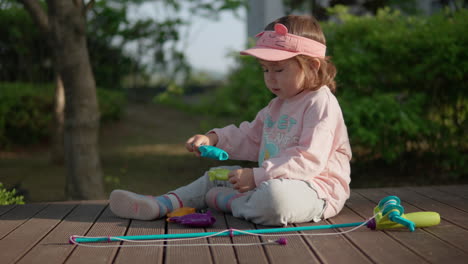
{"x":402,"y":83}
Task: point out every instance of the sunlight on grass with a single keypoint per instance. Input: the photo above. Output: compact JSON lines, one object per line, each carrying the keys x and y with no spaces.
{"x":158,"y":149}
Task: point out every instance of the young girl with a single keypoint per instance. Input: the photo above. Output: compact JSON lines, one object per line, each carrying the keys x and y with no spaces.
{"x":299,"y":139}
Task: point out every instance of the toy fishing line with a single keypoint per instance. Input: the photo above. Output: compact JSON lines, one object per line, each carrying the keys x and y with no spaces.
{"x":388,"y":214}
{"x":281,"y":241}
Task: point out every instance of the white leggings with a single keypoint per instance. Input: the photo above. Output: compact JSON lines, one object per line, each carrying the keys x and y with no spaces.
{"x":276,"y":202}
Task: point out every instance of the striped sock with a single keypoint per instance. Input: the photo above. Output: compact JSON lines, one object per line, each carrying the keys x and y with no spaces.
{"x":168,"y":203}
{"x":126,"y":204}
{"x":220,"y":198}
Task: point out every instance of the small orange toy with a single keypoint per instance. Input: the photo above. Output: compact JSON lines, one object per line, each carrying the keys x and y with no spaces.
{"x":180,"y":212}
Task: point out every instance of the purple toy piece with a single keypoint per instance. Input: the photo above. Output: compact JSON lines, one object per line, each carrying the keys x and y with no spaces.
{"x":195,"y":220}
{"x":372,"y":224}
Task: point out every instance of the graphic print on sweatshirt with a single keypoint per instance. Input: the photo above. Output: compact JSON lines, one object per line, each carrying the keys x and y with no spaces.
{"x":276,"y":136}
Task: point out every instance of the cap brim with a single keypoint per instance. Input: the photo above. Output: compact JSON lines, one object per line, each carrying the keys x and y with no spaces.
{"x":269,"y":54}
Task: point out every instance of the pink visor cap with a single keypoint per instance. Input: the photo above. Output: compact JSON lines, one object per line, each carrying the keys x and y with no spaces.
{"x":279,"y":45}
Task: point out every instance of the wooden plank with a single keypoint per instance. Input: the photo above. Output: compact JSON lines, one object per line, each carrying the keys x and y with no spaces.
{"x":221,"y":254}
{"x":183,"y":254}
{"x":106,"y":225}
{"x":379,"y":246}
{"x":321,"y":244}
{"x":22,"y":239}
{"x":423,"y":242}
{"x":54,"y":248}
{"x":324,"y":246}
{"x":143,"y":254}
{"x":6,"y":208}
{"x":460,"y":190}
{"x":443,"y":197}
{"x":295,"y":251}
{"x":17,"y":216}
{"x":246,"y":254}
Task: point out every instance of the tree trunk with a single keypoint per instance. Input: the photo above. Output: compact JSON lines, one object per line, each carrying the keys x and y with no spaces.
{"x":57,"y":154}
{"x":40,"y":17}
{"x":68,"y":32}
{"x":64,"y":29}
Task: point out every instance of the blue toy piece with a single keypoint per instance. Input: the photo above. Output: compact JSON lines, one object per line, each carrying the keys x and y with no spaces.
{"x":213,"y":152}
{"x":391,"y":207}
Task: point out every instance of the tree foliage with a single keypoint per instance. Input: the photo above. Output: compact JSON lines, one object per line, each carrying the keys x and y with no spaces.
{"x":319,"y":9}
{"x":120,"y":45}
{"x":24,"y":56}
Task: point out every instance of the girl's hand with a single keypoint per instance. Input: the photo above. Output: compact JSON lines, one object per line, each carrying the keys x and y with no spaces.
{"x":192,"y":144}
{"x":242,"y":179}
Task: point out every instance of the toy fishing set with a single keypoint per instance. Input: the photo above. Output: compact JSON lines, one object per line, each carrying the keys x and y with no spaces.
{"x":388,"y":214}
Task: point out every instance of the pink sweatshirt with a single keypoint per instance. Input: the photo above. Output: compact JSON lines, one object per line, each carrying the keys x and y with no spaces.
{"x":304,"y":138}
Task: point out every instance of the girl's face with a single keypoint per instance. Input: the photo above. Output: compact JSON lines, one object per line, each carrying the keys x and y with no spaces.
{"x":284,"y":78}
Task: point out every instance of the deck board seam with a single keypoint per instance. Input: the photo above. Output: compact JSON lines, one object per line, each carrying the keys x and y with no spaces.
{"x":446,"y":241}
{"x":265,"y":251}
{"x":311,"y":247}
{"x":442,"y":189}
{"x":420,"y":255}
{"x":116,"y":254}
{"x":236,"y":255}
{"x":87,"y":231}
{"x":359,"y":249}
{"x":45,"y":235}
{"x":8,"y":210}
{"x":440,"y":201}
{"x":164,"y":249}
{"x":211,"y":250}
{"x":24,"y":222}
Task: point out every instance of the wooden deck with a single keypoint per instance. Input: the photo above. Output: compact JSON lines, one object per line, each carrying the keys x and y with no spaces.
{"x":38,"y":233}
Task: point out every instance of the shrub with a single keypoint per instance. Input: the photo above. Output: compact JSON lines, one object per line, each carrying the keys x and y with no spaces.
{"x":9,"y":196}
{"x":111,"y":104}
{"x":403,"y":83}
{"x":383,"y":125}
{"x":26,"y":111}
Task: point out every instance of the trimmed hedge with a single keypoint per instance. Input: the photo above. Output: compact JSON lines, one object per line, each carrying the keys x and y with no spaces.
{"x":26,"y":111}
{"x":403,"y":84}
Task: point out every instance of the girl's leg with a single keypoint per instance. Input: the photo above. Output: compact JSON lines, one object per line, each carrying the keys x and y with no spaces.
{"x":127,"y":204}
{"x":193,"y":194}
{"x":221,"y":198}
{"x":131,"y":205}
{"x":279,"y":202}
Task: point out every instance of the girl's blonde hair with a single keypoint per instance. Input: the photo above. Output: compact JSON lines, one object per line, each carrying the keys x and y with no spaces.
{"x":308,"y":27}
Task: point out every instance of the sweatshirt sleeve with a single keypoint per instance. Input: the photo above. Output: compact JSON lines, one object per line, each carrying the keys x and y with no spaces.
{"x":309,"y":157}
{"x":243,"y":142}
